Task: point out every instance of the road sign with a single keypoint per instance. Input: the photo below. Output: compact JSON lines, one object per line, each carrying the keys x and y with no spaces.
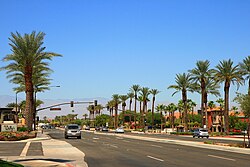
{"x":58,"y":108}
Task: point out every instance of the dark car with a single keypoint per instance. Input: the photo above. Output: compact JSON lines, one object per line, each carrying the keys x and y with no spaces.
{"x":72,"y":130}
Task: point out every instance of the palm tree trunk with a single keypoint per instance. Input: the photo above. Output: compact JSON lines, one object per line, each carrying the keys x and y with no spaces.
{"x":226,"y":112}
{"x":184,"y":98}
{"x":116,"y":116}
{"x":135,"y":110}
{"x":153,"y":104}
{"x":172,"y":120}
{"x":130,"y":104}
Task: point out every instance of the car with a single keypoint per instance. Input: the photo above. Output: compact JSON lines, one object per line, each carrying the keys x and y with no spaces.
{"x":104,"y":129}
{"x":97,"y":128}
{"x":72,"y":130}
{"x":119,"y":130}
{"x":200,"y":132}
{"x":87,"y":128}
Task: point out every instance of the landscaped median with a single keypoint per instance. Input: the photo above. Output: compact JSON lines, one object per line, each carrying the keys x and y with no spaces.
{"x":15,"y":136}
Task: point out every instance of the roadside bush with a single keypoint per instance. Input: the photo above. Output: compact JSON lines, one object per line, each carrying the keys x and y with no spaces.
{"x":15,"y":136}
{"x":22,"y":129}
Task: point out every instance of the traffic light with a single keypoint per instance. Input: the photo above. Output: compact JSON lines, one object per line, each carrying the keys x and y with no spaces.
{"x":71,"y":103}
{"x":95,"y":102}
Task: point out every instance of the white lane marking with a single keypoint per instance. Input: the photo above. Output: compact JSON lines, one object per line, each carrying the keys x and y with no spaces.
{"x":155,"y":158}
{"x":214,"y":156}
{"x":119,"y":137}
{"x":25,"y":150}
{"x":126,"y":141}
{"x":156,"y":146}
{"x":113,"y":146}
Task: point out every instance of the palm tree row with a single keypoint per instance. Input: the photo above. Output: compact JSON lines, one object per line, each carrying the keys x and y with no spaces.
{"x":204,"y":80}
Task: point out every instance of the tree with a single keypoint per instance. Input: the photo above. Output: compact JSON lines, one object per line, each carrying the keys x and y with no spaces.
{"x":200,"y":74}
{"x":116,"y":99}
{"x":228,"y":73}
{"x":160,"y":108}
{"x":245,"y":69}
{"x":191,"y":104}
{"x":144,"y":93}
{"x":131,"y":96}
{"x":135,"y":89}
{"x":211,"y":105}
{"x":101,"y":120}
{"x":154,"y":92}
{"x":85,"y":116}
{"x":244,"y":101}
{"x":28,"y":55}
{"x":183,"y":84}
{"x":172,"y":108}
{"x":123,"y":98}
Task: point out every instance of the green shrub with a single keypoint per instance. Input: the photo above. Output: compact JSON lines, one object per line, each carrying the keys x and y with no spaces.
{"x":22,"y":129}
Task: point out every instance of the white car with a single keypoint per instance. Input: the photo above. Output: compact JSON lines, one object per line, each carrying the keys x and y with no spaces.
{"x":119,"y":130}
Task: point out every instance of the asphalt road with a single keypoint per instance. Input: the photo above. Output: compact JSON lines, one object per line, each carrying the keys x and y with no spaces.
{"x":108,"y":150}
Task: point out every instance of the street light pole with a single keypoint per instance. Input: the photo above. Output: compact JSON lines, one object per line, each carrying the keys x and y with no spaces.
{"x":34,"y":114}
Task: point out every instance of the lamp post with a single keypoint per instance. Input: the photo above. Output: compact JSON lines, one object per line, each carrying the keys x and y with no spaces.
{"x":34,"y":114}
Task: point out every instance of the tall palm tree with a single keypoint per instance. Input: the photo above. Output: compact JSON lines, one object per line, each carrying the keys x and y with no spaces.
{"x":200,"y":74}
{"x":228,"y":73}
{"x":116,"y":99}
{"x":160,"y":108}
{"x":144,"y":93}
{"x":172,"y":108}
{"x":27,"y":56}
{"x":183,"y":84}
{"x":123,"y":98}
{"x":154,"y":92}
{"x":131,"y":96}
{"x":140,"y":99}
{"x":245,"y":68}
{"x":135,"y":89}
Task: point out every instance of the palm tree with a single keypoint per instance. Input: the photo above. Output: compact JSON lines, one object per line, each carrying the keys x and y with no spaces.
{"x":211,"y":105}
{"x":172,"y":108}
{"x":227,"y":73}
{"x":131,"y":96}
{"x":160,"y":108}
{"x":154,"y":92}
{"x":191,"y":105}
{"x":135,"y":89}
{"x":123,"y":98}
{"x":200,"y":74}
{"x":98,"y":109}
{"x":140,"y":99}
{"x":91,"y":109}
{"x":115,"y":98}
{"x":144,"y":92}
{"x":28,"y":56}
{"x":245,"y":68}
{"x":180,"y":107}
{"x":85,"y":116}
{"x":183,"y":84}
{"x":221,"y":105}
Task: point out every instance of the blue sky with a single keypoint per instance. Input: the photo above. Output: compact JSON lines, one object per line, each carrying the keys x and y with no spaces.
{"x":108,"y":46}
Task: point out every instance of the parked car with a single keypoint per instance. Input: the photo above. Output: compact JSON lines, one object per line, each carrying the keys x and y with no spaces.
{"x":104,"y":129}
{"x":200,"y":133}
{"x":97,"y":128}
{"x":119,"y":130}
{"x":72,"y":130}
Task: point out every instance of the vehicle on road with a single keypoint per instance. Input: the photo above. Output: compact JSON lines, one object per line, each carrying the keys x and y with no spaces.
{"x":200,"y":133}
{"x":104,"y":129}
{"x":119,"y":130}
{"x":87,"y":128}
{"x":72,"y":130}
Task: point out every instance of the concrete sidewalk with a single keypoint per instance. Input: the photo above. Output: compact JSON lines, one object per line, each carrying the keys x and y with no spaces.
{"x":55,"y":153}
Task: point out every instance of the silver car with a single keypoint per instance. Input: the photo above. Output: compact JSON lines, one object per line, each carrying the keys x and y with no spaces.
{"x":201,"y":133}
{"x":72,"y":130}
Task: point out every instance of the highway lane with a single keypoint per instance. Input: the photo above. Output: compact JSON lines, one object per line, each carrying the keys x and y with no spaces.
{"x":109,"y":150}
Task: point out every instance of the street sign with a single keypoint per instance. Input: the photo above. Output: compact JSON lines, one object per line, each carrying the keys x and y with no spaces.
{"x":58,"y":108}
